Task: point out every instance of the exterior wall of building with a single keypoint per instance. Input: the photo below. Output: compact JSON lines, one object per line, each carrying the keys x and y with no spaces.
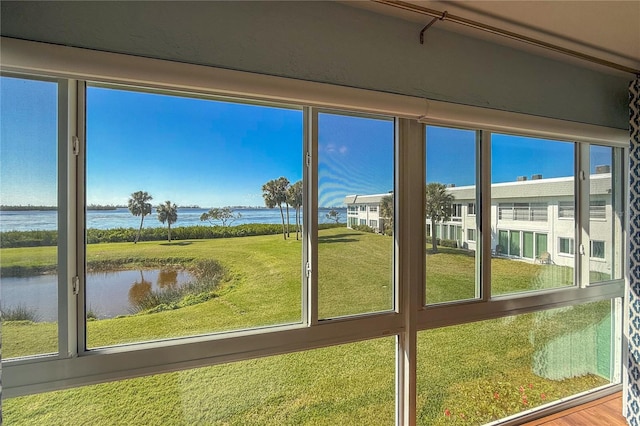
{"x":543,"y":233}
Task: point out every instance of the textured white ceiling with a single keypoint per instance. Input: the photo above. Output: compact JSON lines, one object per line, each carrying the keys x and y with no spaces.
{"x":608,"y":30}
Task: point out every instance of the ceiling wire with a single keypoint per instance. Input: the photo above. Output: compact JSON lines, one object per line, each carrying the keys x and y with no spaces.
{"x":444,"y":16}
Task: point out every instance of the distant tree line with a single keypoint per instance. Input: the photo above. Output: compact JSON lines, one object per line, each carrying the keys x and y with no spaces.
{"x":13,"y":239}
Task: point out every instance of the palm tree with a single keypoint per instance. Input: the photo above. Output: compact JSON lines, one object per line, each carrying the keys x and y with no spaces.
{"x":139,"y":205}
{"x":167,"y":212}
{"x":274,"y":193}
{"x":294,"y":199}
{"x":438,"y":207}
{"x":386,"y":213}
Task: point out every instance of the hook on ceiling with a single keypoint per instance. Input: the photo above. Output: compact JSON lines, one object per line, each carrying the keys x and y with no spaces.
{"x":433,"y":21}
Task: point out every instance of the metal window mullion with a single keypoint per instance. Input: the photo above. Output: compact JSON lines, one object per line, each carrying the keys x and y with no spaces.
{"x":67,"y":331}
{"x":483,"y":213}
{"x":80,"y":225}
{"x":582,"y":247}
{"x":409,"y":237}
{"x":310,"y":217}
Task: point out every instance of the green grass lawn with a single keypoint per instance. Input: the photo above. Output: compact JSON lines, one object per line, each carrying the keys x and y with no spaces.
{"x":460,"y":369}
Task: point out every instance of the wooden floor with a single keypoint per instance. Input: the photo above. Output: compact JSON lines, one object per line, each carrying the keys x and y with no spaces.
{"x":606,"y":411}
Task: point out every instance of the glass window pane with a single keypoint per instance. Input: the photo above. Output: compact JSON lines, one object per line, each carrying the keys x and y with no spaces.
{"x":480,"y":372}
{"x":514,"y":243}
{"x":450,"y":197}
{"x":541,"y":245}
{"x":606,"y":210}
{"x":342,"y":385}
{"x":29,"y":216}
{"x":355,"y":169}
{"x":532,"y":191}
{"x":193,"y":217}
{"x":527,"y":245}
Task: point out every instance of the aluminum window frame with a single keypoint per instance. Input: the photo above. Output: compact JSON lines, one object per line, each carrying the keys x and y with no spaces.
{"x":71,"y":369}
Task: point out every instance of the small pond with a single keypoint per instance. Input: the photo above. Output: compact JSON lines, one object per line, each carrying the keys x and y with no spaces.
{"x":109,"y":294}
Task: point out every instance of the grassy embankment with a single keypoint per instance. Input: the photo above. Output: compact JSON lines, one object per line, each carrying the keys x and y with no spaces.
{"x":460,"y":368}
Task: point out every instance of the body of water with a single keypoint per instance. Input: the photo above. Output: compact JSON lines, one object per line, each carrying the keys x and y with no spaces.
{"x":109,"y":294}
{"x":30,"y":220}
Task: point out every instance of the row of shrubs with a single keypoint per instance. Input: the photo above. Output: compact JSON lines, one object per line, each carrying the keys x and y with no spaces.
{"x":367,"y":228}
{"x":94,"y":236}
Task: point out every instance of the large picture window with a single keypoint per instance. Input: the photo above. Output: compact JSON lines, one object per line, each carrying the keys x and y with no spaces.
{"x":527,"y":176}
{"x":355,"y":262}
{"x":194,"y":251}
{"x":450,"y":183}
{"x":193,"y":216}
{"x":29,"y":216}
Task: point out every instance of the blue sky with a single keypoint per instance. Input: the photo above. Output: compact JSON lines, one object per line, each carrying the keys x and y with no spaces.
{"x":212,"y":153}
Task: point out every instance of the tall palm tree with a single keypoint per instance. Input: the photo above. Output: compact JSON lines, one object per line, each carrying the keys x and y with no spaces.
{"x":386,"y":213}
{"x":167,"y":212}
{"x":437,"y":207}
{"x":294,"y":199}
{"x":139,"y":205}
{"x":274,"y":193}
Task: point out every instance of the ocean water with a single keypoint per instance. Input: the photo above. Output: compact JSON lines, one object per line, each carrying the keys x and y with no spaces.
{"x":121,"y":218}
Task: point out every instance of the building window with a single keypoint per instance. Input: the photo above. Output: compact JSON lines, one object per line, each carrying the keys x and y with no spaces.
{"x":289,"y":290}
{"x":450,"y":166}
{"x":456,"y":212}
{"x":29,"y":221}
{"x":597,"y":209}
{"x":373,"y":209}
{"x":565,"y":245}
{"x":566,"y":210}
{"x":597,"y":249}
{"x":471,"y":234}
{"x":536,"y":212}
{"x":373,"y":224}
{"x":471,"y":209}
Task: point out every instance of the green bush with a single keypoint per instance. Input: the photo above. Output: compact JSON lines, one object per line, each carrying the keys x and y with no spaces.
{"x":448,"y":243}
{"x":363,"y":228}
{"x":28,"y":238}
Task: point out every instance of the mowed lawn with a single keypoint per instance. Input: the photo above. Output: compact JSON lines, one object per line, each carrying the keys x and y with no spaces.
{"x":460,"y":369}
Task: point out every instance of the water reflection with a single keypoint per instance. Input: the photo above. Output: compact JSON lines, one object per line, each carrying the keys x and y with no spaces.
{"x":140,"y":289}
{"x":108,"y":294}
{"x":167,"y":278}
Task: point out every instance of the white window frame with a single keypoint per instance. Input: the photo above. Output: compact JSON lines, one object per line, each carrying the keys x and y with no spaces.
{"x":572,"y":247}
{"x":70,"y":368}
{"x":592,"y":251}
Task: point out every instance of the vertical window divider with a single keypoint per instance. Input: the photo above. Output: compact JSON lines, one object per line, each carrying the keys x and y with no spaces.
{"x":310,"y":216}
{"x":483,"y":213}
{"x":582,"y":247}
{"x":80,"y":197}
{"x":409,"y":237}
{"x":66,"y":232}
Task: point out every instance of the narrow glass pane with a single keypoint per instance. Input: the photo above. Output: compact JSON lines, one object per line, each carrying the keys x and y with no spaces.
{"x":605,"y":214}
{"x":514,"y":243}
{"x":541,"y":245}
{"x":480,"y":372}
{"x":29,"y":216}
{"x":193,"y":213}
{"x":532,"y":201}
{"x":351,"y":384}
{"x":450,"y":203}
{"x":527,"y":245}
{"x":355,"y":180}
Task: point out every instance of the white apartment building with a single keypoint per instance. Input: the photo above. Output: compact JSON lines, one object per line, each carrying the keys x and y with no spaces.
{"x":364,"y":210}
{"x":531,"y":220}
